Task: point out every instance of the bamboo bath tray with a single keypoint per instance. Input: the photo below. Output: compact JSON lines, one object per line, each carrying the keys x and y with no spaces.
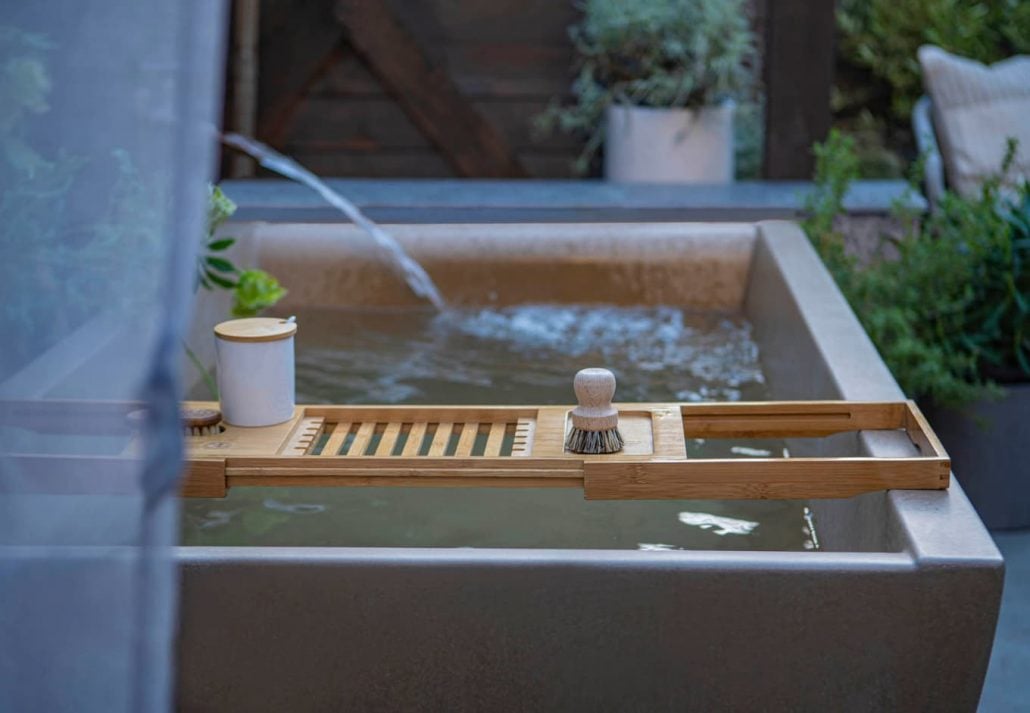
{"x":523,"y":446}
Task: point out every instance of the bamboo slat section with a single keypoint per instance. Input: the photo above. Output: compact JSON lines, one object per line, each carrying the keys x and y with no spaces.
{"x":523,"y":437}
{"x":336,"y":438}
{"x":415,"y":436}
{"x":467,"y":439}
{"x":303,"y":436}
{"x":440,"y":440}
{"x":653,"y":464}
{"x":763,"y":479}
{"x":922,"y":435}
{"x":389,"y":440}
{"x":494,"y":440}
{"x":800,"y":419}
{"x":361,"y":439}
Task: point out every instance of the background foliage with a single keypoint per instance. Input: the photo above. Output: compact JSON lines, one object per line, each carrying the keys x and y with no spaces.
{"x":947,"y":304}
{"x":878,"y":72}
{"x":72,"y":232}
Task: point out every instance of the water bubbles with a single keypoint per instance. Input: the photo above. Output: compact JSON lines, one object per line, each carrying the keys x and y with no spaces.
{"x":750,"y":452}
{"x":812,"y":538}
{"x":215,"y":518}
{"x":523,"y":354}
{"x":293,"y":508}
{"x":717,"y":524}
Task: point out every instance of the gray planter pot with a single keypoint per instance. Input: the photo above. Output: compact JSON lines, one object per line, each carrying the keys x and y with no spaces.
{"x":989,"y":456}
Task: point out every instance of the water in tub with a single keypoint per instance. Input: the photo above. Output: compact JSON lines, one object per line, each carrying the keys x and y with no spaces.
{"x":517,"y":355}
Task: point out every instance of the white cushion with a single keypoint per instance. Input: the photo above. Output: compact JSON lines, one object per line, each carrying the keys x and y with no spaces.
{"x":976,"y":109}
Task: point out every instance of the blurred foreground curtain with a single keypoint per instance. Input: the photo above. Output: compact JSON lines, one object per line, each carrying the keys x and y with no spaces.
{"x":107,"y":140}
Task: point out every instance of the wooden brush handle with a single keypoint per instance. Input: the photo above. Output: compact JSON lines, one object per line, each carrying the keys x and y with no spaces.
{"x":594,"y":391}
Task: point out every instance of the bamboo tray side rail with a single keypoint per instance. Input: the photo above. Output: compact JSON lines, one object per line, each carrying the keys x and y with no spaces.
{"x":523,"y":446}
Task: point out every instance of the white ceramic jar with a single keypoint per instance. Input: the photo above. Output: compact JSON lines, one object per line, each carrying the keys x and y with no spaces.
{"x":256,"y":370}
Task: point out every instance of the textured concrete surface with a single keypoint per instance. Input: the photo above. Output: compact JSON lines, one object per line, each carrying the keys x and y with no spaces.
{"x":698,"y":265}
{"x":1007,"y":689}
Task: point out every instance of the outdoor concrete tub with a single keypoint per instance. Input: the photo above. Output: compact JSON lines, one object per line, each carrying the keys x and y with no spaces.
{"x":896,"y":612}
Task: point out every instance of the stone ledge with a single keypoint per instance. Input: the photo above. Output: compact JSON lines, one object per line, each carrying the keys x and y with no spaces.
{"x":494,"y":201}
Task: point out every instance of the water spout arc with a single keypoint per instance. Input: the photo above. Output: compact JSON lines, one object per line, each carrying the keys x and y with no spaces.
{"x":412,"y":273}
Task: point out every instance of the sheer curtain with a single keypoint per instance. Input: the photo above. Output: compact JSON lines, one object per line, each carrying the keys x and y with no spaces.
{"x":107,"y":141}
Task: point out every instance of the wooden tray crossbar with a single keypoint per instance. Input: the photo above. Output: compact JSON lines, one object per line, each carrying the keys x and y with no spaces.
{"x":505,"y":446}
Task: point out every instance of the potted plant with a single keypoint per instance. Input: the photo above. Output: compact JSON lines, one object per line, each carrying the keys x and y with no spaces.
{"x":948,"y":306}
{"x":656,"y":83}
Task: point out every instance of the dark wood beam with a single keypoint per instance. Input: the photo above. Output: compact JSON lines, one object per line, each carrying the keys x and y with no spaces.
{"x":242,"y":100}
{"x":302,"y":36}
{"x":798,"y":68}
{"x":467,"y":140}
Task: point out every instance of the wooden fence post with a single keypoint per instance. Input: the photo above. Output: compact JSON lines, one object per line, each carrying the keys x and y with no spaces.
{"x":798,"y":69}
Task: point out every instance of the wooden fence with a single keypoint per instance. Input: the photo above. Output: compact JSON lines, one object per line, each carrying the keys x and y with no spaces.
{"x":438,"y":88}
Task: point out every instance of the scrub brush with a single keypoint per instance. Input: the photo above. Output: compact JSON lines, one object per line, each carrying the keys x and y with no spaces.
{"x":595,"y":422}
{"x":200,"y":421}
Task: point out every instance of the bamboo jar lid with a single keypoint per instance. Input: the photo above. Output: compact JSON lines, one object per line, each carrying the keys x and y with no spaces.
{"x":256,"y":329}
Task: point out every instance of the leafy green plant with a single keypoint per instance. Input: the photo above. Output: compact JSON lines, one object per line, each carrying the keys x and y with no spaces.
{"x":749,"y":138}
{"x":883,"y":36}
{"x":878,"y":155}
{"x":253,"y":290}
{"x":660,"y":53}
{"x":947,"y":304}
{"x":836,"y":166}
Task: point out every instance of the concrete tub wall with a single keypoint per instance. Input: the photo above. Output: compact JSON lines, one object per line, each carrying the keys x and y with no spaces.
{"x":898,"y":615}
{"x":701,"y":266}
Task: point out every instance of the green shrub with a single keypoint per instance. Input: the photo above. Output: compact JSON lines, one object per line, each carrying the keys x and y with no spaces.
{"x":948,"y":304}
{"x":660,"y":53}
{"x":877,"y":155}
{"x":883,"y":36}
{"x":749,"y":139}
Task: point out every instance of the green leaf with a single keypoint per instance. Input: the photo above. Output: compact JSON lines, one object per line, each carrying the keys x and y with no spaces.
{"x":219,"y":208}
{"x":221,"y":244}
{"x":220,"y":281}
{"x":221,"y":264}
{"x":255,"y":291}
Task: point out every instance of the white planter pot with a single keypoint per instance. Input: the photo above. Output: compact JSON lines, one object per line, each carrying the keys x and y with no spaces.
{"x":645,"y":145}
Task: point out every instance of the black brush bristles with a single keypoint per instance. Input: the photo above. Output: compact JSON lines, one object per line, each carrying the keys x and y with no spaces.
{"x":594,"y":442}
{"x":201,"y":430}
{"x":201,"y":421}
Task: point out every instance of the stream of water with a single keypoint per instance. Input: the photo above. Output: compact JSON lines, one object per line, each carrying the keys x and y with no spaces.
{"x":411,"y":272}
